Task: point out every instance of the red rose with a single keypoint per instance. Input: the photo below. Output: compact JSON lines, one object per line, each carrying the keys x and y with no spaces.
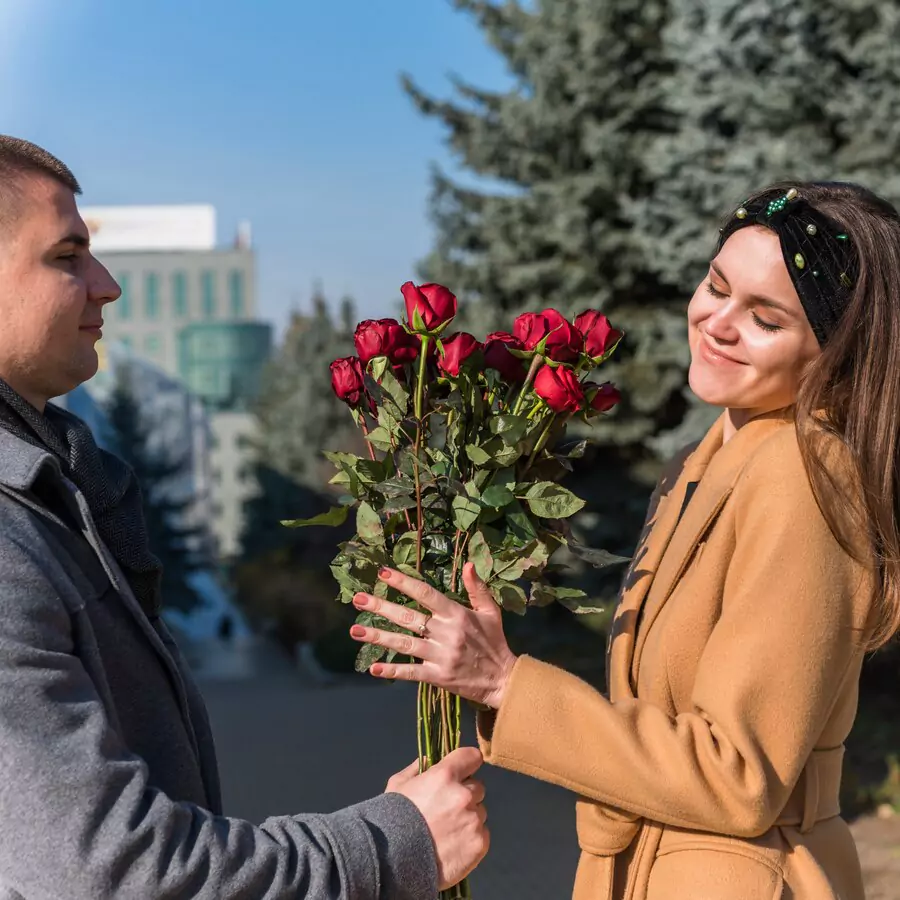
{"x":347,"y":380}
{"x":563,"y":340}
{"x":435,"y":304}
{"x":599,"y":335}
{"x":497,"y":356}
{"x":456,"y":350}
{"x":602,"y":398}
{"x":559,"y":389}
{"x":384,"y":337}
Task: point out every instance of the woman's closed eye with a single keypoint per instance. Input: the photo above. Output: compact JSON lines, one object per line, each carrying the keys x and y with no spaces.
{"x":761,"y":323}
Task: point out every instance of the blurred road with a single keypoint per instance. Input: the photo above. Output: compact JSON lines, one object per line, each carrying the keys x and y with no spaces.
{"x":286,"y":746}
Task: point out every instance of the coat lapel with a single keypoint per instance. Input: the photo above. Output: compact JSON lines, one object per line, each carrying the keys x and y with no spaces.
{"x":661,"y":523}
{"x":716,"y":467}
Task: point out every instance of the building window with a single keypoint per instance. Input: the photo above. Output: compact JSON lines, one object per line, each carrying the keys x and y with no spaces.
{"x":179,"y":294}
{"x":123,"y":304}
{"x":152,"y":345}
{"x":151,"y":295}
{"x":208,"y":287}
{"x":126,"y":340}
{"x":236,"y":292}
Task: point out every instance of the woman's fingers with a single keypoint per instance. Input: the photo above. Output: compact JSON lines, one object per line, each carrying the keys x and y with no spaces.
{"x":402,"y":643}
{"x":417,"y":590}
{"x":405,"y":672}
{"x":400,"y":615}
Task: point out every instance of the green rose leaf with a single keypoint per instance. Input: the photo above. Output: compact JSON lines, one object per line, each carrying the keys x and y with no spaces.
{"x":465,"y":512}
{"x":541,"y":594}
{"x":396,"y":391}
{"x":599,"y":559}
{"x":497,"y":496}
{"x":369,"y":654}
{"x":400,"y":486}
{"x":477,"y":454}
{"x":549,"y":500}
{"x":368,"y":525}
{"x":519,"y":524}
{"x":405,"y":549}
{"x":510,"y":597}
{"x":480,"y":555}
{"x":510,"y":428}
{"x":337,"y":515}
{"x":577,"y":601}
{"x":380,"y":438}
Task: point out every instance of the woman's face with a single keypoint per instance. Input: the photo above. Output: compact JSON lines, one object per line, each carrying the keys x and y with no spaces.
{"x":750,"y":339}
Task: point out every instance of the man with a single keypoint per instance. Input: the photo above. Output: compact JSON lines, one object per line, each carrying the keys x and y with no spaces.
{"x":109,"y":785}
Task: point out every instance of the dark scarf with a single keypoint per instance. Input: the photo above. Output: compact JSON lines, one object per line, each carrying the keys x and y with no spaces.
{"x":108,"y":484}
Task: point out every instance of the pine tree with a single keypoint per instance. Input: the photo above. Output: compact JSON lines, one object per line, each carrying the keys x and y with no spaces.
{"x":175,"y":543}
{"x":299,"y":417}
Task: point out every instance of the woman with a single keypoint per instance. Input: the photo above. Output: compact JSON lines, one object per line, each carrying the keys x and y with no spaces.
{"x":770,"y":562}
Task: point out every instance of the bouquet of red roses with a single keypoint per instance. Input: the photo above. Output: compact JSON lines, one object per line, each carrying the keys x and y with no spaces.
{"x":465,"y":459}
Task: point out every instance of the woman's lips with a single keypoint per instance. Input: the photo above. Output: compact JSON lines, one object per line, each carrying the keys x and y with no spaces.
{"x":716,"y":357}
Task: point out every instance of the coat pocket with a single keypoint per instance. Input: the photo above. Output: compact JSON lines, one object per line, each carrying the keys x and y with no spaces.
{"x":714,"y":869}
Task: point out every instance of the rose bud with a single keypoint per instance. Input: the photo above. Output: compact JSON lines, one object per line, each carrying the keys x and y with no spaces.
{"x":497,"y":356}
{"x":384,"y":337}
{"x":434,"y":304}
{"x":559,"y":389}
{"x":347,"y":380}
{"x":601,"y":398}
{"x":456,"y":350}
{"x":562,"y":341}
{"x":599,"y":336}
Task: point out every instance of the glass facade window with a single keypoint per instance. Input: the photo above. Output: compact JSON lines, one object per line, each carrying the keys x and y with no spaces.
{"x":151,"y":295}
{"x":180,"y":295}
{"x":152,"y":345}
{"x":236,"y":292}
{"x":123,"y":304}
{"x":208,"y":289}
{"x":126,"y":340}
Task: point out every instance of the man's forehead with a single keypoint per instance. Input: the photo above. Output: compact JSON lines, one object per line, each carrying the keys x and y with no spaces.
{"x":49,"y":206}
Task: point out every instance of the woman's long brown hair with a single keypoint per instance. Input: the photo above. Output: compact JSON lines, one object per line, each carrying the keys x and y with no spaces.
{"x":852,"y":392}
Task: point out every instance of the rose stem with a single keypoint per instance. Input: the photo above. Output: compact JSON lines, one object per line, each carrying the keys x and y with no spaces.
{"x":532,"y":371}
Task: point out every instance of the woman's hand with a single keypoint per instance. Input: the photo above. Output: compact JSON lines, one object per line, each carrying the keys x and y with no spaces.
{"x":463,"y":650}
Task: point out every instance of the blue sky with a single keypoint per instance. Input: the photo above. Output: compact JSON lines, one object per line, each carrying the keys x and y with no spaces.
{"x":288,"y":114}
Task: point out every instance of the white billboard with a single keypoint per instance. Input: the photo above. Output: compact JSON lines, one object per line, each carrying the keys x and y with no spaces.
{"x":136,"y":228}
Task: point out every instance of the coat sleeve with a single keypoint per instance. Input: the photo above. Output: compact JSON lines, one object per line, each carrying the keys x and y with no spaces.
{"x":78,"y":818}
{"x":765,"y":685}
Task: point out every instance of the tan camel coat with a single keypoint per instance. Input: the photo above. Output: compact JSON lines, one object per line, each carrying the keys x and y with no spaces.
{"x":712,"y":771}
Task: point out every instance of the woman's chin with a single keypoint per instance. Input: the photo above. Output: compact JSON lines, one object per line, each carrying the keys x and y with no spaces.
{"x":709,"y":388}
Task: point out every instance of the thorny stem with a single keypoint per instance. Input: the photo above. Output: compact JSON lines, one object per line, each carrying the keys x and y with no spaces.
{"x":420,"y":427}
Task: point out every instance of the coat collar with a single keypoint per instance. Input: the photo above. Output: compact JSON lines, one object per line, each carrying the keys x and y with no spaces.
{"x":670,"y":537}
{"x":22,"y":463}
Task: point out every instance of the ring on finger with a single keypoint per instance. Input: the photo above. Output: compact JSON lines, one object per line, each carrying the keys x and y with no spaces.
{"x":423,"y":628}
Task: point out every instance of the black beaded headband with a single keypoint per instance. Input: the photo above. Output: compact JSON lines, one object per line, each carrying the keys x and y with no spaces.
{"x":818,"y":253}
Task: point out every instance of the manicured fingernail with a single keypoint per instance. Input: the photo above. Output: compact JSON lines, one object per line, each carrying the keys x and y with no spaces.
{"x":375,"y":669}
{"x":360,"y":600}
{"x":358,"y":631}
{"x":384,"y":573}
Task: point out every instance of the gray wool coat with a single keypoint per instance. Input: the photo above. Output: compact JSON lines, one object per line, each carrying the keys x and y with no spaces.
{"x":108,"y":779}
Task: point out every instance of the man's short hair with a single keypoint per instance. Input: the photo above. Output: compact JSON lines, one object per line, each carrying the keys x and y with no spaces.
{"x":20,"y":158}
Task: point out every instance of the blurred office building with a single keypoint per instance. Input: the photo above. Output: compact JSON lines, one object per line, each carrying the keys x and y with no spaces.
{"x":188,"y":307}
{"x":179,"y":432}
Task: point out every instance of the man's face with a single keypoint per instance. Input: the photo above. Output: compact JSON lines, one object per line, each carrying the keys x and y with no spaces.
{"x":51,"y":291}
